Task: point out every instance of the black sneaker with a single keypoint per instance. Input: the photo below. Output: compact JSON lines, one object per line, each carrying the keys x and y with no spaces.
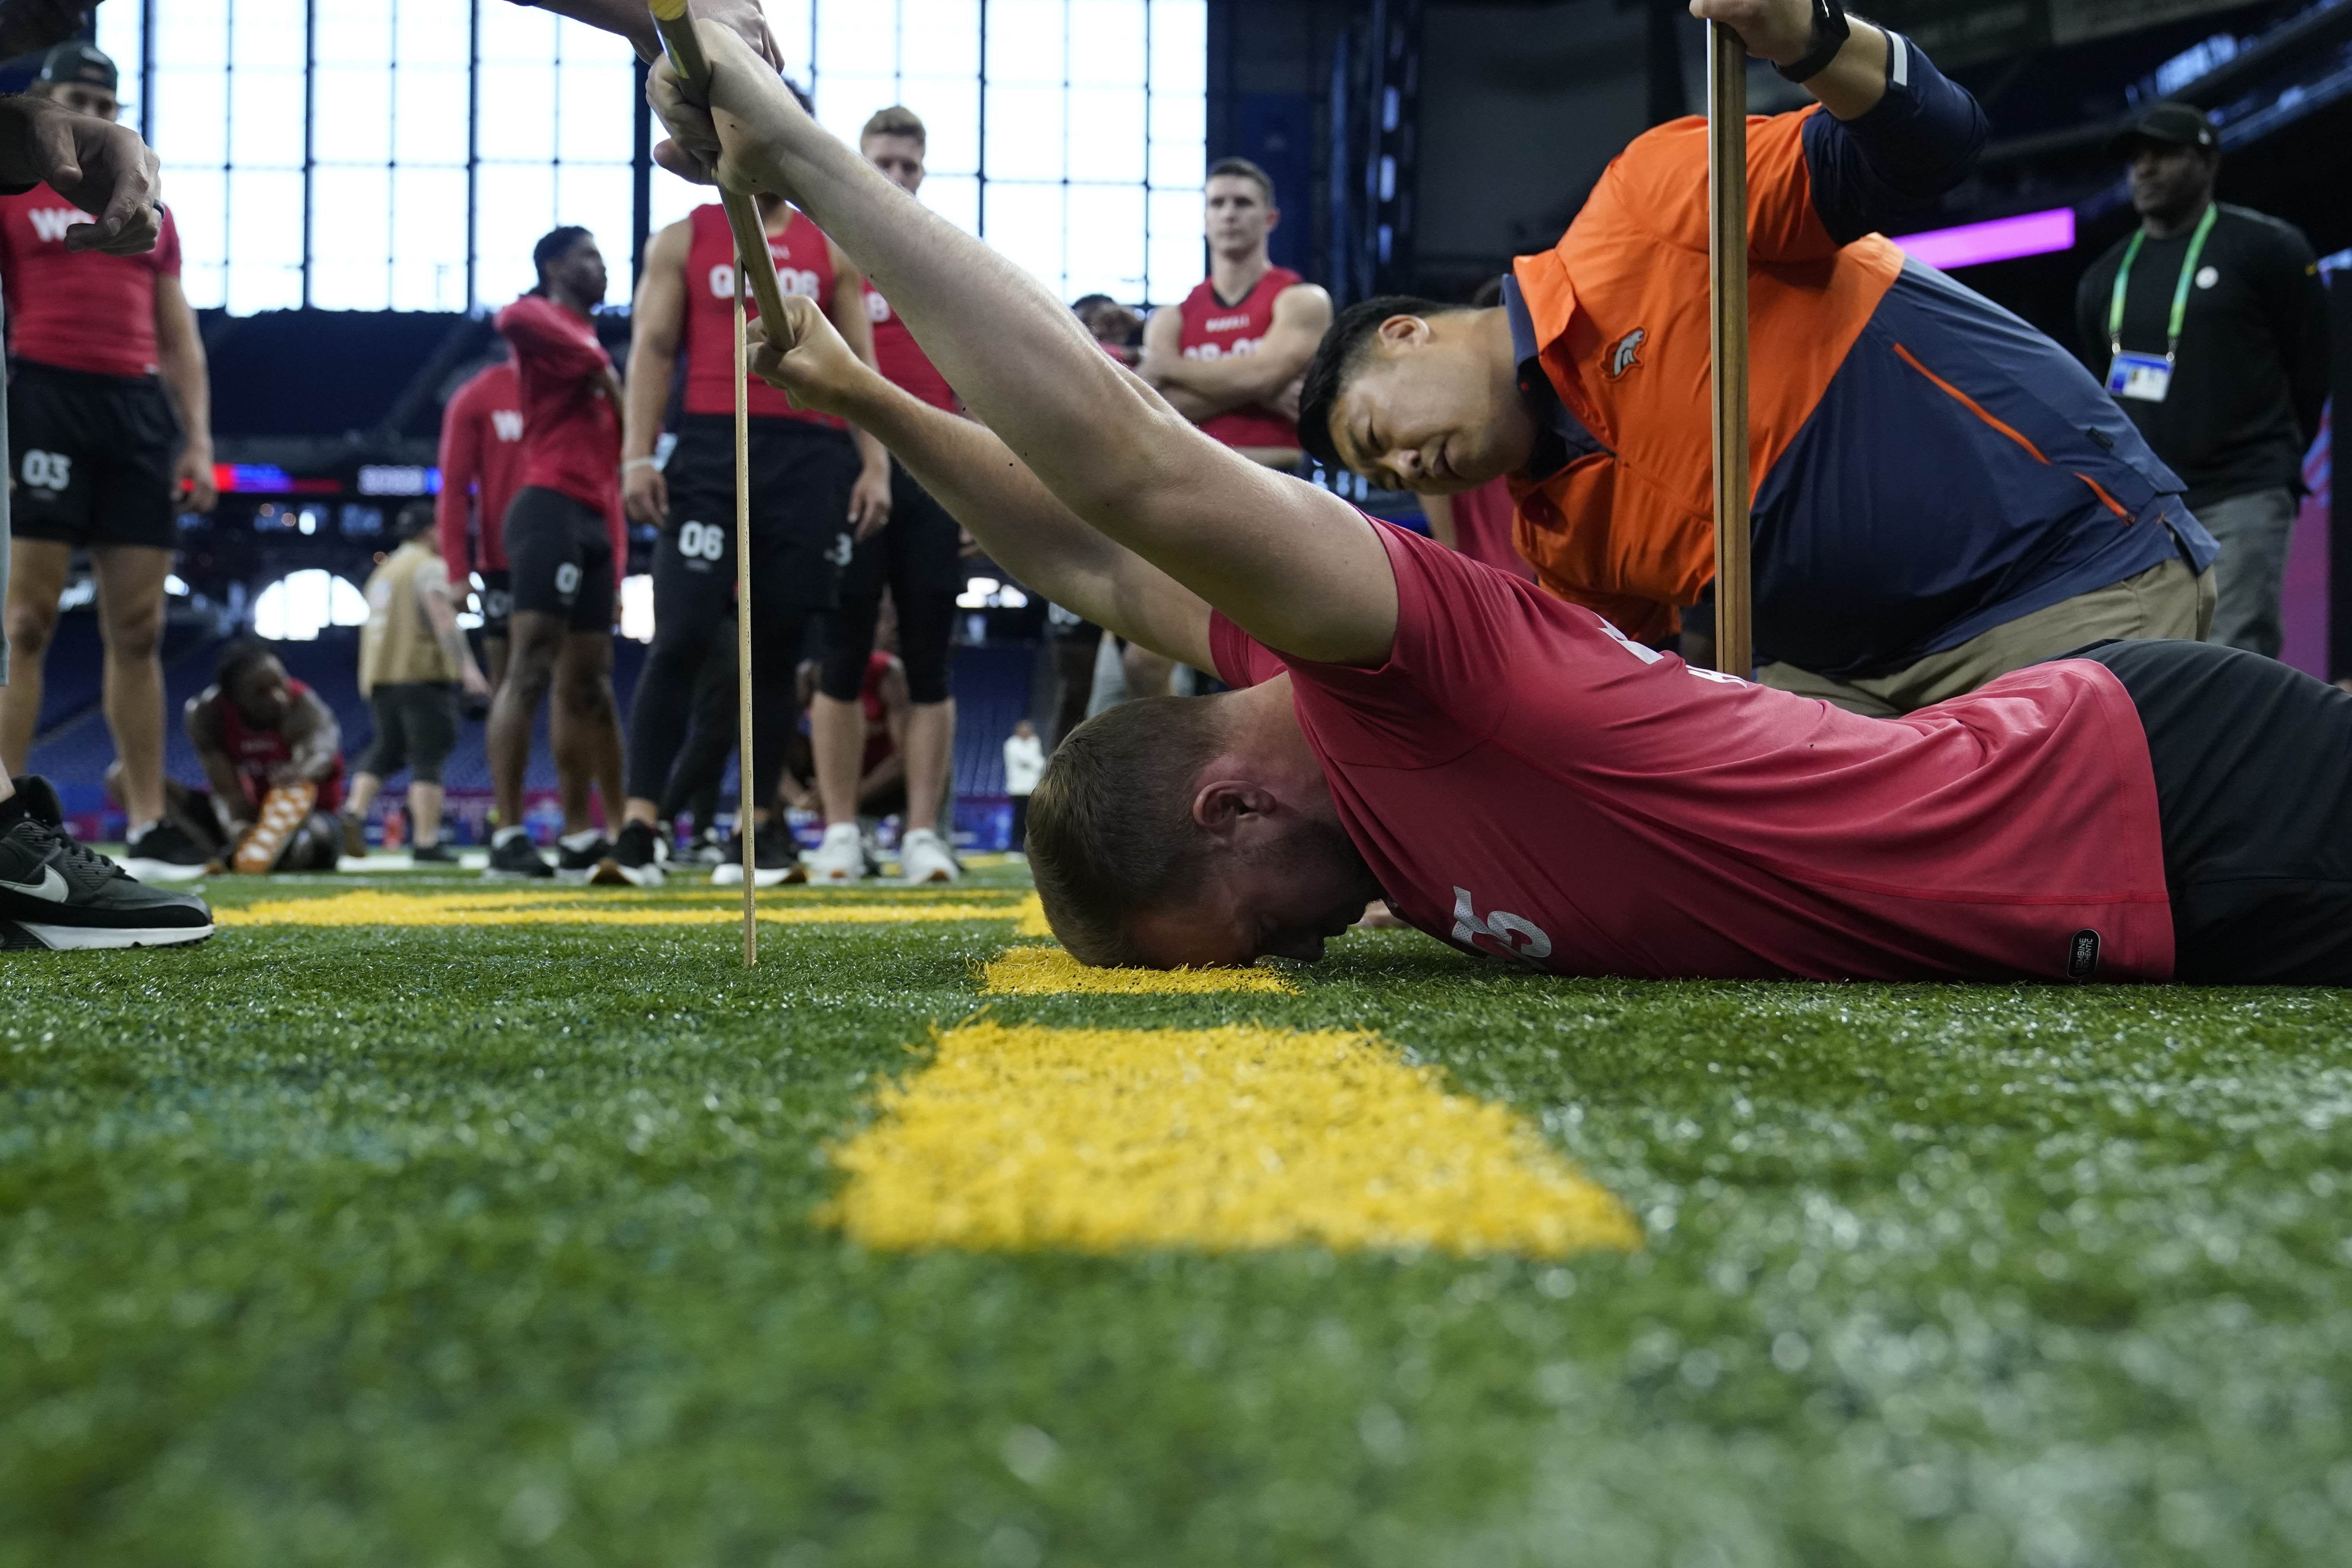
{"x":354,"y":836}
{"x":56,"y":894}
{"x":517,"y":856}
{"x":775,"y":860}
{"x":433,"y":854}
{"x":707,"y":849}
{"x":164,"y":854}
{"x":579,"y":865}
{"x":636,"y":859}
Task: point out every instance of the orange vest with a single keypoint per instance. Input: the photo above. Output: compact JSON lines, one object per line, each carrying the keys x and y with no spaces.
{"x":1620,"y":309}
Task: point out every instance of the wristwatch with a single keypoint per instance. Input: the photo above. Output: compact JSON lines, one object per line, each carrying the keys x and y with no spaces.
{"x":1829,"y":34}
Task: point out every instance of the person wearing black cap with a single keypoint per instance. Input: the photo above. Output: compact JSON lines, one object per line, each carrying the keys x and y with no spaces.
{"x":111,"y":403}
{"x":2210,"y":325}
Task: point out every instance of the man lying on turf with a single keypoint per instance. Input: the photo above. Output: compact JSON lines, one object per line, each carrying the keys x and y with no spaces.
{"x":1510,"y":773}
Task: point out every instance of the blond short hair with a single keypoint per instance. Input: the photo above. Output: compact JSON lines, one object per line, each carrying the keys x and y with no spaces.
{"x":896,"y":121}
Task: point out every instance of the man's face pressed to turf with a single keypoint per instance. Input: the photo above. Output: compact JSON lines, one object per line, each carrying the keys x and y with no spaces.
{"x":1426,"y":407}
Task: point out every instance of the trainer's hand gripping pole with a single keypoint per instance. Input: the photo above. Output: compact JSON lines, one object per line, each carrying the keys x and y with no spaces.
{"x":1727,"y":257}
{"x":755,"y":271}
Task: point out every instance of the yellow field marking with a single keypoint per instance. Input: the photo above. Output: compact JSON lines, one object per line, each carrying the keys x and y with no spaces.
{"x":371,"y":907}
{"x":1032,"y":918}
{"x":1109,"y":1140}
{"x":1048,"y":971}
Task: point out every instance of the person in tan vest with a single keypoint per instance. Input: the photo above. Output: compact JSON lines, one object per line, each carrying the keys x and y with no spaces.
{"x":413,"y":660}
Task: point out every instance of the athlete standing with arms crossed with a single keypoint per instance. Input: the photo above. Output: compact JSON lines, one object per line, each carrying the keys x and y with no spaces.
{"x":815,"y":486}
{"x":112,"y":417}
{"x":918,"y":558}
{"x":560,"y":534}
{"x":1228,"y":358}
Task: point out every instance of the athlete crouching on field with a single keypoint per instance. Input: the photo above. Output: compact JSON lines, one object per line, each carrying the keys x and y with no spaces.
{"x":1513,"y":775}
{"x":273,"y":756}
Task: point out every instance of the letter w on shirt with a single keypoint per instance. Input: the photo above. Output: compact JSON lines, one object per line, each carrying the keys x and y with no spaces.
{"x":507,"y":423}
{"x":1520,"y":940}
{"x":51,"y":223}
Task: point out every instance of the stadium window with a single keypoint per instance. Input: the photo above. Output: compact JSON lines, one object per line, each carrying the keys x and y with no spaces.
{"x":405,"y":154}
{"x":295,"y":606}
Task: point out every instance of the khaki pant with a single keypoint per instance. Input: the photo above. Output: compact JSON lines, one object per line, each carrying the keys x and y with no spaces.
{"x":2168,"y":600}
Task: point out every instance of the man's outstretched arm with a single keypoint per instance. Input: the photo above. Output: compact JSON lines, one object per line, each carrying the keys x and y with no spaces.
{"x":971,"y":473}
{"x":1293,"y":566}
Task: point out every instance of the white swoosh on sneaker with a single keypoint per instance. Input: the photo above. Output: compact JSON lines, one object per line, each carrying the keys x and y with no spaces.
{"x":51,"y":886}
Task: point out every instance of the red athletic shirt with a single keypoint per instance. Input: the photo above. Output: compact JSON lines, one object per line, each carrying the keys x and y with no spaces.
{"x":901,"y":359}
{"x":80,"y":311}
{"x":256,"y":751}
{"x":481,"y":469}
{"x":1525,"y":782}
{"x":572,"y":432}
{"x":1214,"y":330}
{"x":1483,"y":521}
{"x":803,"y":258}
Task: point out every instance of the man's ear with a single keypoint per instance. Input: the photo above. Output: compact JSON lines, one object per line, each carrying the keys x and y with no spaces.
{"x":1225,"y":806}
{"x":1404,"y":331}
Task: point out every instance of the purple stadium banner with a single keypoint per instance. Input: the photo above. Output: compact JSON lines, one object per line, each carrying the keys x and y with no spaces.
{"x":1971,"y":243}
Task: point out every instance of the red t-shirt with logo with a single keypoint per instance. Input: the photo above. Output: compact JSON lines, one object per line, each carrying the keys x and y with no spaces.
{"x":1214,"y":330}
{"x":257,"y":752}
{"x":481,"y":469}
{"x":1525,"y":782}
{"x":572,"y":432}
{"x":803,"y":258}
{"x":901,"y":359}
{"x":78,"y":310}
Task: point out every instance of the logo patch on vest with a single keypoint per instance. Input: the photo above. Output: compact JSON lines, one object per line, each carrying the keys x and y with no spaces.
{"x":1626,"y":352}
{"x":2083,"y":955}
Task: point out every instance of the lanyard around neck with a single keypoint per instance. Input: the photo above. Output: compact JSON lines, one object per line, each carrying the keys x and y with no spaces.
{"x":2179,"y":289}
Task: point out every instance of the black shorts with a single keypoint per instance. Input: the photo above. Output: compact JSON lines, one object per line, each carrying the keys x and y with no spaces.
{"x":801,"y":479}
{"x":415,"y":728}
{"x":92,"y":458}
{"x":560,"y":558}
{"x":497,"y":601}
{"x":919,"y":559}
{"x":919,"y":555}
{"x":2253,"y":795}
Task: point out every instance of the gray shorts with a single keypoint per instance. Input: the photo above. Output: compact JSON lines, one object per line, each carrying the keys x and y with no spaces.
{"x":415,"y":728}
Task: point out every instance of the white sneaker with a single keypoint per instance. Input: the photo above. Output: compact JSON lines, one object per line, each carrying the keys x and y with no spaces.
{"x":923,"y":857}
{"x":840,"y":859}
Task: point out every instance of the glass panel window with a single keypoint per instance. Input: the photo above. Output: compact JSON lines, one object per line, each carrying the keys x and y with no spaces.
{"x":449,"y":135}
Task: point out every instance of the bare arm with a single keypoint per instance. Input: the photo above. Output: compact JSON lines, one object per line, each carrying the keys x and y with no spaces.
{"x":1302,"y":314}
{"x":657,"y":321}
{"x":1782,"y":31}
{"x":869,"y":498}
{"x":1164,"y":337}
{"x":1294,"y":566}
{"x":180,"y":362}
{"x":202,"y":722}
{"x":314,"y":738}
{"x":434,"y":598}
{"x":1024,"y":529}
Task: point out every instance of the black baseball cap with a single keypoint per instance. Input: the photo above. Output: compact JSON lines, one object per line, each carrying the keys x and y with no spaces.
{"x":79,"y":62}
{"x":2168,"y":125}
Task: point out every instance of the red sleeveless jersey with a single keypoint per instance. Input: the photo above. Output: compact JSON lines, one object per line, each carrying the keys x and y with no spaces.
{"x":256,"y":751}
{"x":804,"y":266}
{"x":901,"y":359}
{"x":1214,"y":330}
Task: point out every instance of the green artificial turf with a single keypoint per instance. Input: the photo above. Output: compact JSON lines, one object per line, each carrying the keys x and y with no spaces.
{"x":495,"y":1245}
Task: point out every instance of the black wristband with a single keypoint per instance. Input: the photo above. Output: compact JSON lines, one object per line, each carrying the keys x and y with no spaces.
{"x":1829,"y":34}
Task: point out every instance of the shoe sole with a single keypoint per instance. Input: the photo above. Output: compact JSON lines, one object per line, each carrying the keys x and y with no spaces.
{"x":162,"y":870}
{"x":26,"y":934}
{"x":610,"y":873}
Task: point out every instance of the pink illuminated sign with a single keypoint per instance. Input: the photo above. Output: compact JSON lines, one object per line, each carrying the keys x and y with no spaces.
{"x":2030,"y":234}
